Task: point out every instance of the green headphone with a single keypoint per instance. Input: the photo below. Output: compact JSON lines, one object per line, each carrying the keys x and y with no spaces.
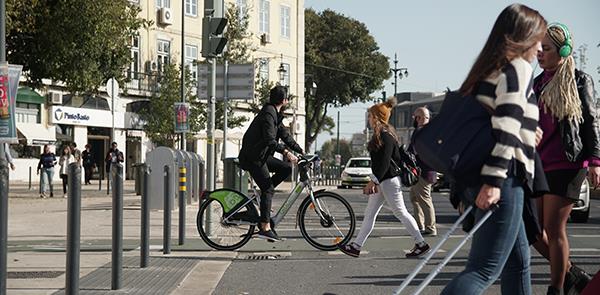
{"x":566,"y":49}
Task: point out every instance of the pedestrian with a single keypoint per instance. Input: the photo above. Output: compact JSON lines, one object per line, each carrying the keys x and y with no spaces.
{"x":113,"y":156}
{"x":46,"y":166}
{"x":500,"y":79}
{"x":569,"y":149}
{"x":420,"y":193}
{"x":76,"y":153}
{"x":9,"y":157}
{"x":65,"y":159}
{"x":88,"y":163}
{"x":385,"y":185}
{"x":259,"y":144}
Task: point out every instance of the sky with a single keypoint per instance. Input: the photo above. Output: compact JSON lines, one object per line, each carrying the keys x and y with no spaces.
{"x":438,"y":41}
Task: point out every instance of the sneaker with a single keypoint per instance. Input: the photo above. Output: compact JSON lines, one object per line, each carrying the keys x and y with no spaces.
{"x":418,"y":250}
{"x":349,"y":250}
{"x":43,"y":195}
{"x":268,"y":235}
{"x":51,"y":195}
{"x":65,"y":196}
{"x":428,"y":233}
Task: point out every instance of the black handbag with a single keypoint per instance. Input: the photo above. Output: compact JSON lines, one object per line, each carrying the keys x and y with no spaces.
{"x":407,"y":169}
{"x":458,"y":140}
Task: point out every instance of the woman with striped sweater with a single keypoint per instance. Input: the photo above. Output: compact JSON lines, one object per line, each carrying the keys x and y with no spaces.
{"x":501,"y":80}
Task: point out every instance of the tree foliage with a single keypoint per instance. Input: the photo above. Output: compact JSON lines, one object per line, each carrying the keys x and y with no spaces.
{"x":344,"y":60}
{"x":79,"y":42}
{"x":239,"y":46}
{"x":329,"y":150}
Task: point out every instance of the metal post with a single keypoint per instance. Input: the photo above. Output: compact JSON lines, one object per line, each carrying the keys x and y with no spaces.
{"x":145,"y":234}
{"x":73,"y":229}
{"x":167,"y":213}
{"x":100,"y":176}
{"x":117,"y":225}
{"x":225,"y":105}
{"x":3,"y":170}
{"x":182,"y":191}
{"x":108,"y":181}
{"x":337,"y":147}
{"x":182,"y":144}
{"x":145,"y":220}
{"x":210,"y":153}
{"x":29,"y":178}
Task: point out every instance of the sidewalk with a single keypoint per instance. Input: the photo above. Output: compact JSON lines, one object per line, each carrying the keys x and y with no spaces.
{"x":37,"y":238}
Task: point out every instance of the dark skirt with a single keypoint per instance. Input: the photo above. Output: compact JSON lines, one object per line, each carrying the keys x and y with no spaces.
{"x":566,"y":183}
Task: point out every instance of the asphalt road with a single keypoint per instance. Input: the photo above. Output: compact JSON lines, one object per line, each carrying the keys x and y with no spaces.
{"x":294,"y":267}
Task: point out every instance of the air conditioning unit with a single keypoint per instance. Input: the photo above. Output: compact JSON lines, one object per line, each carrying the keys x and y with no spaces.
{"x":165,"y":16}
{"x":151,"y":66}
{"x":265,"y":38}
{"x":55,"y":97}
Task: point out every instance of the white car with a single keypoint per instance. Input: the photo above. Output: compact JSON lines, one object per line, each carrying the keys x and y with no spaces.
{"x":581,"y":209}
{"x":356,"y":172}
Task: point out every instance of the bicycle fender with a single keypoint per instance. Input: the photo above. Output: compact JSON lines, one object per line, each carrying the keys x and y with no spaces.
{"x":228,"y":198}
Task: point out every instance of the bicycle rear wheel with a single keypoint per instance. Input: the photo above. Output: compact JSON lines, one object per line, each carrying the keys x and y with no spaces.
{"x":336,"y":225}
{"x":224,"y":236}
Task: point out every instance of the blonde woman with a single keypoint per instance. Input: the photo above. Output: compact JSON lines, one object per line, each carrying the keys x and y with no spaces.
{"x":385,"y":183}
{"x":569,"y":149}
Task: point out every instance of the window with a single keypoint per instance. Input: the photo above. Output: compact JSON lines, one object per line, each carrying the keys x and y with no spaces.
{"x":134,"y":67}
{"x":263,"y":16}
{"x":191,"y":55}
{"x":163,"y":53}
{"x":163,"y":3}
{"x":241,"y":4}
{"x":263,"y":69}
{"x":191,"y":7}
{"x":27,"y":113}
{"x":286,"y":75}
{"x":285,"y":21}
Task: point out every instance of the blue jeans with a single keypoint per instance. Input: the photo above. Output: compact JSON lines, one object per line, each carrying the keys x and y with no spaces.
{"x":47,"y":176}
{"x":499,"y":248}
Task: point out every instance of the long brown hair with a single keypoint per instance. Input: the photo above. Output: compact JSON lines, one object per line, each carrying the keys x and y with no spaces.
{"x":516,"y":29}
{"x":375,"y":143}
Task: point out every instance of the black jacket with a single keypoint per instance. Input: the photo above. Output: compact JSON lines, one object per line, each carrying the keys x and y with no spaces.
{"x":581,"y":141}
{"x":381,"y":159}
{"x":261,"y":139}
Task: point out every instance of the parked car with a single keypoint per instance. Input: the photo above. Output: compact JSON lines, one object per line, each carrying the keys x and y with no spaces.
{"x":581,"y":209}
{"x":356,"y":172}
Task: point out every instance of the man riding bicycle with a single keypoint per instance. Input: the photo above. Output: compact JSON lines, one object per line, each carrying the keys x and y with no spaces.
{"x":260,"y":142}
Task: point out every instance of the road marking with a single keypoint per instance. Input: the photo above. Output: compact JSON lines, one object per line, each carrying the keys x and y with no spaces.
{"x":340,"y":253}
{"x":281,"y":254}
{"x":584,"y":236}
{"x":585,"y":249}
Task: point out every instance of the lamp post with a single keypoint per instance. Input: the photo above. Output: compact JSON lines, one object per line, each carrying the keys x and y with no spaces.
{"x":281,"y":70}
{"x":398,"y":72}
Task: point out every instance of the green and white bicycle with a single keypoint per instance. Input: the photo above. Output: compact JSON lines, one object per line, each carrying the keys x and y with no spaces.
{"x":228,"y":219}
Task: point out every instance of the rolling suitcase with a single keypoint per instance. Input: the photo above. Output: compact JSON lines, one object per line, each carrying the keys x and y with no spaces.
{"x":441,"y":265}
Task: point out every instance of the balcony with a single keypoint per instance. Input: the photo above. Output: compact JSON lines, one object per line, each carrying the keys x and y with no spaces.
{"x":142,"y":84}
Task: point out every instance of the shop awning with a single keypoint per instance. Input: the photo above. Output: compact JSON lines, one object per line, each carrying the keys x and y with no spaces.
{"x":28,"y":95}
{"x":37,"y":134}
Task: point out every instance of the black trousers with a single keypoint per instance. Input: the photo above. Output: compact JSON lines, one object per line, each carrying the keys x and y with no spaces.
{"x":267,"y":183}
{"x":89,"y":169}
{"x":65,"y":181}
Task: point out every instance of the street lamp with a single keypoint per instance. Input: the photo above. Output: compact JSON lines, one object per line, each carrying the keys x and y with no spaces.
{"x":402,"y":72}
{"x":281,"y":70}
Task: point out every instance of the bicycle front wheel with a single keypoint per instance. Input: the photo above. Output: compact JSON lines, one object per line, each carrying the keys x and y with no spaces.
{"x":327,"y":223}
{"x":225,"y":236}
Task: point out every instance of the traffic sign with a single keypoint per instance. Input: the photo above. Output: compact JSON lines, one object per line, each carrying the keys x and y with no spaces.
{"x":112,"y":88}
{"x":240,"y":84}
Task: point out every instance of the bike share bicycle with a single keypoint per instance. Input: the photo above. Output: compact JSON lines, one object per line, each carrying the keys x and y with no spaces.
{"x":227,"y":218}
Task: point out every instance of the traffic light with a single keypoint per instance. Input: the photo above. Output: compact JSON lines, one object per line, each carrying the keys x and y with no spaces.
{"x":212,"y":41}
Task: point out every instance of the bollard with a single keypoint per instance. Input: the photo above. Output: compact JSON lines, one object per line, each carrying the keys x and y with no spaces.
{"x":145,"y":234}
{"x":167,"y":214}
{"x":182,"y":190}
{"x":73,"y":229}
{"x":29,"y":178}
{"x":41,"y":176}
{"x":3,"y":221}
{"x":116,"y":170}
{"x":108,"y":181}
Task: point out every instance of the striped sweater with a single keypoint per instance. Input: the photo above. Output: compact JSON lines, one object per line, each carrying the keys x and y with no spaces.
{"x":515,"y":117}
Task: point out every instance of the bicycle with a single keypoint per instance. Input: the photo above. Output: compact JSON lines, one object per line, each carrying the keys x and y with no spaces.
{"x":325,"y":218}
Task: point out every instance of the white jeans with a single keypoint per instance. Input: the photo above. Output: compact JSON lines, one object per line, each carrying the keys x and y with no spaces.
{"x":389,"y":191}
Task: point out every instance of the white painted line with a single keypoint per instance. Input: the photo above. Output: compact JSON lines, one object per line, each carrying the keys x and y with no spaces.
{"x":273,"y":253}
{"x":585,"y":250}
{"x":584,"y":236}
{"x":396,"y":237}
{"x":340,"y":253}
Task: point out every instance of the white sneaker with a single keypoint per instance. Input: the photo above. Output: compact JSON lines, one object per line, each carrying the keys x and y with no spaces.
{"x":65,"y":196}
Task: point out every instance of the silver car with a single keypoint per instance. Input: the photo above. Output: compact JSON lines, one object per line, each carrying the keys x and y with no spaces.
{"x":581,"y":209}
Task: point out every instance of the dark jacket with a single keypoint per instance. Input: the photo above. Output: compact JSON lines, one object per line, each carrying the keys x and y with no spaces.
{"x":381,"y":158}
{"x":111,"y":153}
{"x":261,"y":139}
{"x":46,"y":161}
{"x":581,"y":141}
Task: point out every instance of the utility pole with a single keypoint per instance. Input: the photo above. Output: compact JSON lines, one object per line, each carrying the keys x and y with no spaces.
{"x":398,"y":72}
{"x":3,"y":171}
{"x":182,"y":142}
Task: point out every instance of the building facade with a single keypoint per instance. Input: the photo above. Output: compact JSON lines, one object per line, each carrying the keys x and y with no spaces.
{"x":55,"y":117}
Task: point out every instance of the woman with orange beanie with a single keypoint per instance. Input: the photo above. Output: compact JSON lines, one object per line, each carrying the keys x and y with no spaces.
{"x":385,"y":183}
